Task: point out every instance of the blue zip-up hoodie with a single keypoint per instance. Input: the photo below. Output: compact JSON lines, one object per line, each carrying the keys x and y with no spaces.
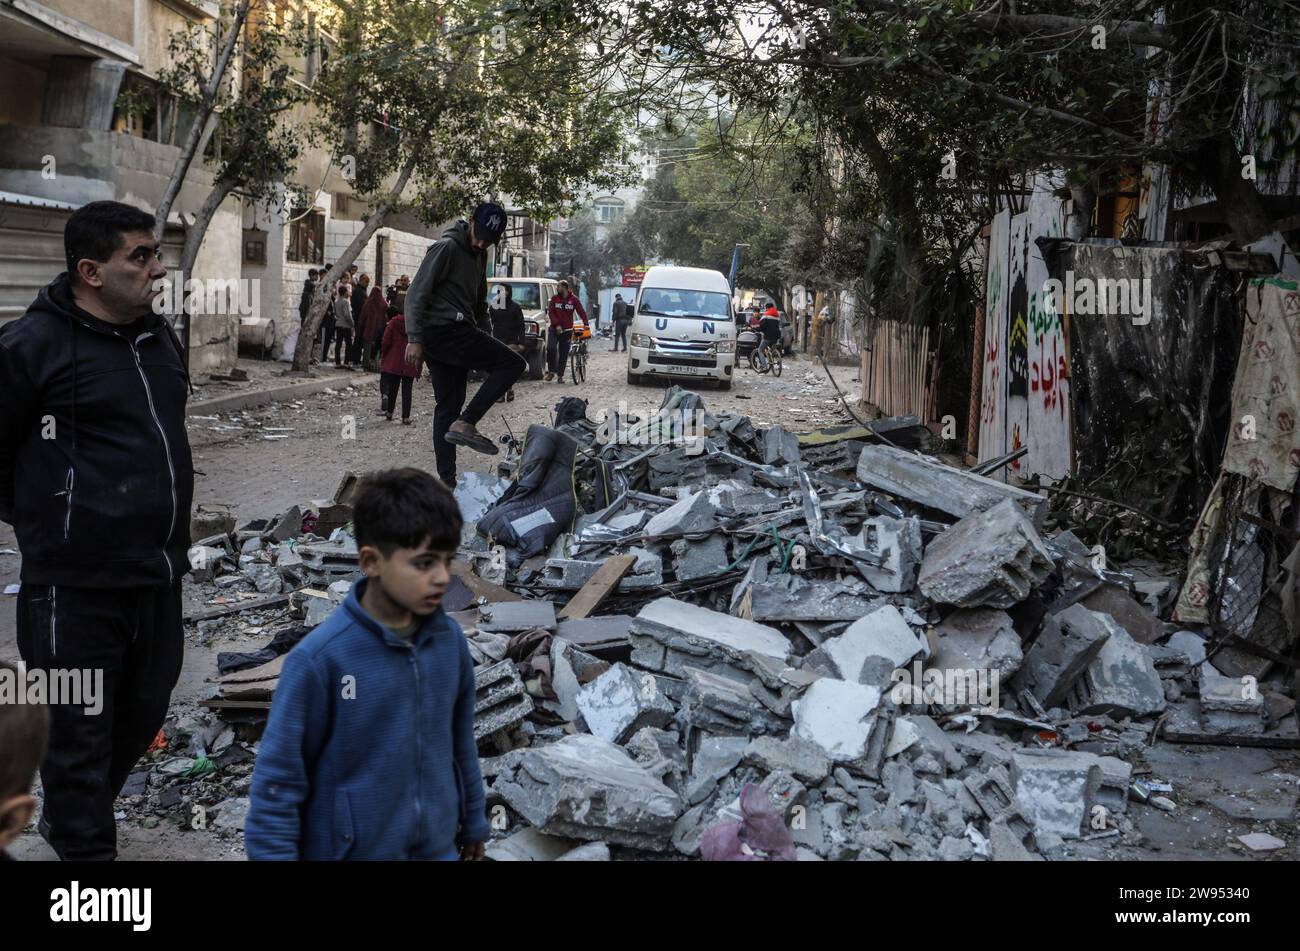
{"x":370,"y":751}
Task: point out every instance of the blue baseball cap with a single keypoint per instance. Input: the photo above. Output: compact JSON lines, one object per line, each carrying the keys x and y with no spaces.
{"x":489,"y":222}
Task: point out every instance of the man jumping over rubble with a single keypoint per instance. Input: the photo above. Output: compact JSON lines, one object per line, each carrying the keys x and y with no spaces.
{"x":96,"y":478}
{"x":447,"y":322}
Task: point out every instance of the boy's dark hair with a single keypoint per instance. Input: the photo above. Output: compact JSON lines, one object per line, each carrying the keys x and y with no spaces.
{"x":405,"y":508}
{"x":24,"y":730}
{"x":312,"y":272}
{"x":95,"y":231}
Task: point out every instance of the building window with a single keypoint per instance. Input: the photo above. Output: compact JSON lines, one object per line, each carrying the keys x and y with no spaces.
{"x":307,"y":237}
{"x":255,"y":247}
{"x":609,"y":210}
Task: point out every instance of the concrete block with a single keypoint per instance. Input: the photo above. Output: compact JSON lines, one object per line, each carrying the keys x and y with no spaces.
{"x":500,"y":700}
{"x":1056,"y":790}
{"x":621,"y":701}
{"x":727,"y":706}
{"x":779,"y":447}
{"x":1121,"y":681}
{"x":529,"y":845}
{"x":695,"y":513}
{"x":513,"y":616}
{"x":989,"y":559}
{"x":1227,"y":705}
{"x":703,"y":559}
{"x":1066,"y":645}
{"x":873,"y":647}
{"x":978,"y":639}
{"x":930,"y":483}
{"x":801,"y":758}
{"x":838,"y":716}
{"x":709,"y":638}
{"x":586,"y":788}
{"x":716,"y":757}
{"x":897,"y":542}
{"x":789,"y":597}
{"x":565,"y":574}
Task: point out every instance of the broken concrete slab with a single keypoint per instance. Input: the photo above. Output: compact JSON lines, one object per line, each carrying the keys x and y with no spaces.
{"x":1190,"y":643}
{"x":1056,"y":790}
{"x":587,"y":788}
{"x":513,"y":616}
{"x":801,"y":758}
{"x":669,"y":636}
{"x":896,"y":544}
{"x":591,"y":852}
{"x":837,"y":716}
{"x":693,"y":560}
{"x":789,"y":597}
{"x":1067,"y":644}
{"x":529,"y":845}
{"x":695,"y":513}
{"x":926,"y":482}
{"x":1143,"y":626}
{"x":1230,"y":705}
{"x":621,"y":701}
{"x":725,"y":705}
{"x":779,"y":447}
{"x":873,"y":647}
{"x":716,"y":757}
{"x":978,"y":639}
{"x":992,"y":559}
{"x":660,"y":753}
{"x":500,"y":700}
{"x":1121,"y":681}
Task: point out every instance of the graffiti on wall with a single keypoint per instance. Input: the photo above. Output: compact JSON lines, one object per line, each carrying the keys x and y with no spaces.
{"x":1026,"y":397}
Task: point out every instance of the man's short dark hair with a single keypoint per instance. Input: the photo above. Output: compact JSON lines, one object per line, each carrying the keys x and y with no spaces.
{"x":24,"y":731}
{"x":405,"y":508}
{"x":95,"y":231}
{"x":312,"y":272}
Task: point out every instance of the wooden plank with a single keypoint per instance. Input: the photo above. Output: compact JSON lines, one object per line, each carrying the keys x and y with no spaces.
{"x":219,"y":704}
{"x":479,"y":587}
{"x":222,"y":610}
{"x":602,"y":583}
{"x":268,"y":671}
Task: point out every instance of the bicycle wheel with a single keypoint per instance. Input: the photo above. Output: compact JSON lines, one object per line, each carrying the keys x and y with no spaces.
{"x":776,"y":361}
{"x":578,"y":363}
{"x":756,"y":360}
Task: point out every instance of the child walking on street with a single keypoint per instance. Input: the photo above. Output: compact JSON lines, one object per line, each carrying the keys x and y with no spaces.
{"x":394,"y":370}
{"x":369,"y":753}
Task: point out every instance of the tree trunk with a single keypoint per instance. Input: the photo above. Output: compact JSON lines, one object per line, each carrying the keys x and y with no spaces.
{"x":190,"y":252}
{"x":200,"y":124}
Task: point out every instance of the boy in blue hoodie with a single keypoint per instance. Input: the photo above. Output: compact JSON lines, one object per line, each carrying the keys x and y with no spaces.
{"x":370,"y":751}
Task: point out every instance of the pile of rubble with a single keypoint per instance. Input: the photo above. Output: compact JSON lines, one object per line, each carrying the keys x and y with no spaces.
{"x":769,"y":645}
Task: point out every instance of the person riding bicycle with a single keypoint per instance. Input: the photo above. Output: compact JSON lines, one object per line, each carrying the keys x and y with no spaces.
{"x":769,"y":326}
{"x":560,"y":310}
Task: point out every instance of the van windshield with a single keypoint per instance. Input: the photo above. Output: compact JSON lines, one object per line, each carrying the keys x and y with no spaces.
{"x":527,"y":296}
{"x":666,"y":302}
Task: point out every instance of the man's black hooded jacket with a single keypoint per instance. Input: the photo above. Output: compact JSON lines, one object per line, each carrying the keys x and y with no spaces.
{"x":95,"y":468}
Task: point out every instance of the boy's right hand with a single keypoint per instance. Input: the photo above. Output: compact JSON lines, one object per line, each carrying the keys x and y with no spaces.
{"x":413,"y":352}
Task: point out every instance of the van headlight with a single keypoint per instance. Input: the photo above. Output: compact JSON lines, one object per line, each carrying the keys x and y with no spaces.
{"x":642,"y":340}
{"x":726,"y":346}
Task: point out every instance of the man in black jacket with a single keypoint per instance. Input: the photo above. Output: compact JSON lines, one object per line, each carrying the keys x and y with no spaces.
{"x":447,"y":324}
{"x":96,"y":479}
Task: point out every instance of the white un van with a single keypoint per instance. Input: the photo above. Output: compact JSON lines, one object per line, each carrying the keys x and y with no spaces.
{"x":683,"y":326}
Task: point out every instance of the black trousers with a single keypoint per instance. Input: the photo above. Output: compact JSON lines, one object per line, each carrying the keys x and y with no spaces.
{"x":557,"y":350}
{"x":327,"y":334}
{"x":620,"y":332}
{"x":342,"y":342}
{"x":388,"y":384}
{"x":133,"y":635}
{"x":450,"y":352}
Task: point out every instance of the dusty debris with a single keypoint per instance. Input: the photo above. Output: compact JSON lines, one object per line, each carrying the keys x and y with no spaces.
{"x":675,"y":644}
